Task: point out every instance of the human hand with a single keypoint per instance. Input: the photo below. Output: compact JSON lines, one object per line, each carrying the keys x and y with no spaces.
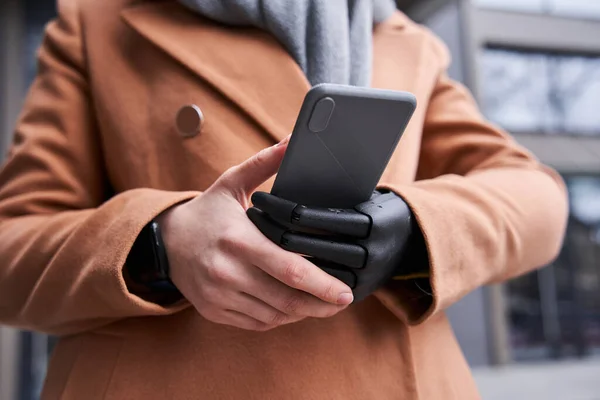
{"x":230,"y":272}
{"x":363,"y":247}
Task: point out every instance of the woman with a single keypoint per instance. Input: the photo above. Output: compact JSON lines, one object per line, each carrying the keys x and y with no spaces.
{"x":112,"y":179}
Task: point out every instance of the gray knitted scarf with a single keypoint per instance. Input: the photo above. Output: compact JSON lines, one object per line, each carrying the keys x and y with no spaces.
{"x":331,"y":40}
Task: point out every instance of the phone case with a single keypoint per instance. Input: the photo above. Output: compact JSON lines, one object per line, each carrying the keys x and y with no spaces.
{"x":342,"y":142}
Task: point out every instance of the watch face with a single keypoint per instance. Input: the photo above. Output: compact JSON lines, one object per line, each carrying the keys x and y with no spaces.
{"x":160,"y":253}
{"x":147,"y":262}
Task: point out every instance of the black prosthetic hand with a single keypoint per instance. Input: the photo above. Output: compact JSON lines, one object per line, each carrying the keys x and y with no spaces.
{"x":364,"y":247}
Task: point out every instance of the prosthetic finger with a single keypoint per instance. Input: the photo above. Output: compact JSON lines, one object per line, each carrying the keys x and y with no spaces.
{"x":277,"y":208}
{"x":343,"y":274}
{"x":346,"y":254}
{"x":335,"y":221}
{"x":269,"y":227}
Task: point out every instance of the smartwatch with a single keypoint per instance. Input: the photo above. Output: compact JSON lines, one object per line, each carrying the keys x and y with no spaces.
{"x":147,"y":264}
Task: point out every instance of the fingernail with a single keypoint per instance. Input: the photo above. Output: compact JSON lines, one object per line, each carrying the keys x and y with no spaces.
{"x":345,"y":298}
{"x":284,"y":141}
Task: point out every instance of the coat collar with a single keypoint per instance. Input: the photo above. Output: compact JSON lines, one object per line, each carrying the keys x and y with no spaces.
{"x":247,"y":65}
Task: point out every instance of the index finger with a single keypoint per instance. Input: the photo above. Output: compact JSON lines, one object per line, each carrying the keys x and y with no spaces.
{"x":297,"y":272}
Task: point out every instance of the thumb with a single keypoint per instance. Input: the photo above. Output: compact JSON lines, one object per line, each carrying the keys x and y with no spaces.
{"x":244,"y":178}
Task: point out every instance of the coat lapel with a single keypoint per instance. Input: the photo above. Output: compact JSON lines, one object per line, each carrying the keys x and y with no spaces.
{"x":247,"y":65}
{"x":252,"y":69}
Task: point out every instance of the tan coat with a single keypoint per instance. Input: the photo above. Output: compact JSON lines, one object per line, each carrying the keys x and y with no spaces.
{"x":96,"y":156}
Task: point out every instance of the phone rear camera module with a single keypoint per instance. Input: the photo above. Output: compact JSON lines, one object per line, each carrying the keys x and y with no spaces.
{"x":321,"y":115}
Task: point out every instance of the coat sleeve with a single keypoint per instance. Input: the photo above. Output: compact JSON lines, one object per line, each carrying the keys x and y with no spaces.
{"x":62,"y":245}
{"x":488,"y":210}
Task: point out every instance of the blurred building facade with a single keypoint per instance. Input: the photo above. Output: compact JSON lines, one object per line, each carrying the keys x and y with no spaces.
{"x":534,"y":66}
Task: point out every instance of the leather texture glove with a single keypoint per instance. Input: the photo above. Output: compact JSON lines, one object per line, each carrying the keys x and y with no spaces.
{"x":363,"y":247}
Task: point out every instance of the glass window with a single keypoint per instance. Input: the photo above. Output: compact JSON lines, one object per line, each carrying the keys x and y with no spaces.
{"x":555,"y":312}
{"x":37,"y":14}
{"x":585,"y":199}
{"x":573,"y":8}
{"x":541,"y":93}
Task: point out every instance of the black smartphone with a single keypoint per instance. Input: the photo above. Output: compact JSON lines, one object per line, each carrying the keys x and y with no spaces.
{"x":342,"y":142}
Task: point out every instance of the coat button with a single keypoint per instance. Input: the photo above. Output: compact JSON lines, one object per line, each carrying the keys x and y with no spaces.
{"x":189,"y":120}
